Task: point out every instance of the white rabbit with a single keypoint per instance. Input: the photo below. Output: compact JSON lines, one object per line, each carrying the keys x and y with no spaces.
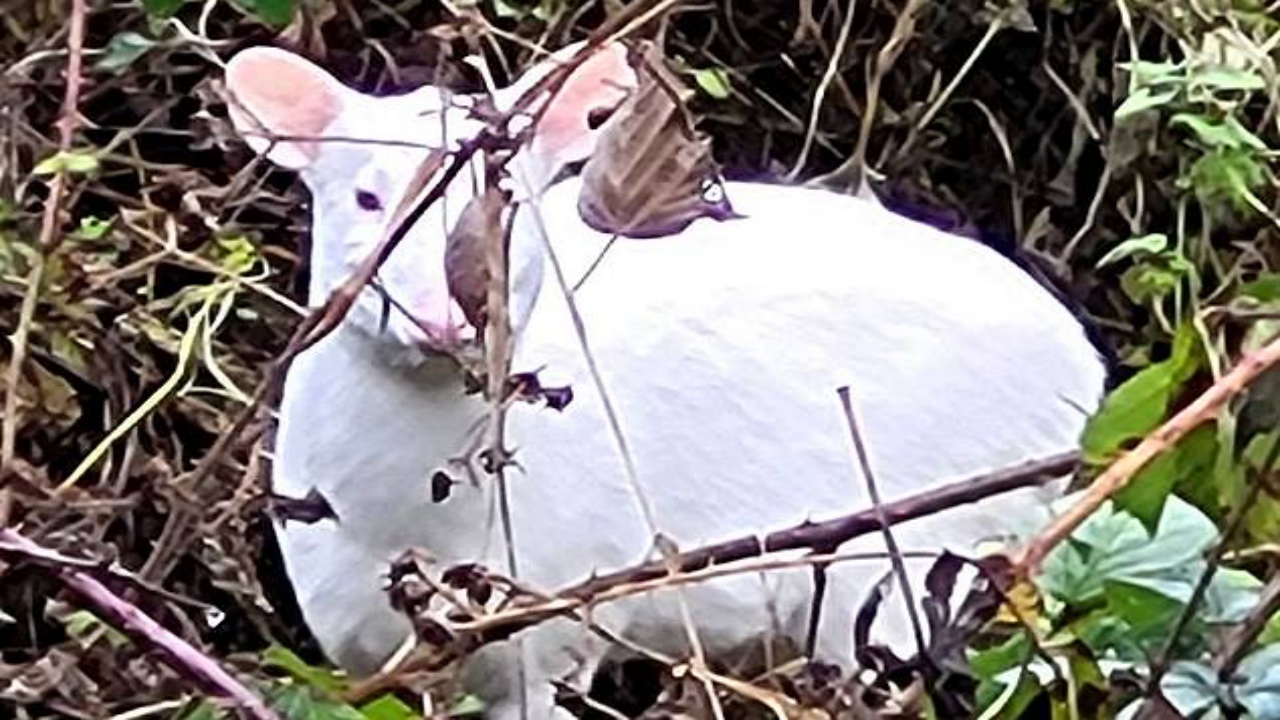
{"x":721,"y":347}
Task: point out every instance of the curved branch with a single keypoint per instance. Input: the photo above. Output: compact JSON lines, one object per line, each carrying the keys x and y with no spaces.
{"x":176,"y":653}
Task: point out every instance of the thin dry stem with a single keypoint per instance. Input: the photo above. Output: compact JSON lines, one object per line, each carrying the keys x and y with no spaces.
{"x":1233,"y":524}
{"x":831,"y":73}
{"x":48,"y":240}
{"x":851,"y":172}
{"x":895,"y":554}
{"x":1242,"y":637}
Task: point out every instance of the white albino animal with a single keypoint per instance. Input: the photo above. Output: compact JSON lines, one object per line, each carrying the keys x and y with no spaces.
{"x":721,"y":348}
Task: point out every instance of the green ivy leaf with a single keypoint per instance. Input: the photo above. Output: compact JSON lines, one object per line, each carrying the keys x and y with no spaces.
{"x":1191,"y":458}
{"x":1230,"y":596}
{"x":295,"y":702}
{"x":1260,"y":692}
{"x":281,"y":658}
{"x":1144,"y":99}
{"x":236,"y":254}
{"x":83,"y":625}
{"x":467,"y":705}
{"x":1113,"y":546}
{"x":1190,"y":687}
{"x":162,"y":8}
{"x":1193,"y":688}
{"x":1227,"y":133}
{"x":1146,"y":613}
{"x":1150,"y":73}
{"x":123,"y":50}
{"x":507,"y":11}
{"x":1156,"y":277}
{"x":388,"y":707}
{"x":1227,"y":78}
{"x":1264,"y":289}
{"x":997,"y":669}
{"x":93,"y":228}
{"x":271,"y":12}
{"x":1140,"y":404}
{"x":71,"y":162}
{"x":713,"y":82}
{"x":1136,"y":247}
{"x":1228,"y":174}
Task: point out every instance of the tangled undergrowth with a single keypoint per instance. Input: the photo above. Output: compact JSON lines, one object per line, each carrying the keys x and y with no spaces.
{"x":1126,"y":151}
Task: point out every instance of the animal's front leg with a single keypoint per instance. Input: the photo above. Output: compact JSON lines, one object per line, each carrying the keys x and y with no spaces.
{"x":538,"y":703}
{"x":558,"y":653}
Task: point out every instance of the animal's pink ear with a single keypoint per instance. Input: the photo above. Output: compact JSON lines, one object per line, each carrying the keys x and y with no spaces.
{"x":566,"y":132}
{"x":275,"y":93}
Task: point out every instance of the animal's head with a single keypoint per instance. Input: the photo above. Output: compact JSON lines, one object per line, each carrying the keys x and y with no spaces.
{"x":358,"y":155}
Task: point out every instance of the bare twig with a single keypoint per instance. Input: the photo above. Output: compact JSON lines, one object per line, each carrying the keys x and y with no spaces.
{"x":498,"y":342}
{"x":997,"y":24}
{"x":48,"y":240}
{"x":1069,"y":250}
{"x":1241,"y":638}
{"x":820,"y":95}
{"x":1232,"y":526}
{"x":707,"y":560}
{"x":1119,"y":473}
{"x":175,"y":652}
{"x":850,"y":173}
{"x":895,"y":554}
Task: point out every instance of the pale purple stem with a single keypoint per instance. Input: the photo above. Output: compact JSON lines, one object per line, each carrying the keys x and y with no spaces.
{"x":175,"y":652}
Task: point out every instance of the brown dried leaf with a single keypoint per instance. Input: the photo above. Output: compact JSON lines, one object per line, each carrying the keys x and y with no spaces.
{"x":308,"y":510}
{"x":652,"y":173}
{"x":465,"y":264}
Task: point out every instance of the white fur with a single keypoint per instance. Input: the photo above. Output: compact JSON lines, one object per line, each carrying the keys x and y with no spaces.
{"x":722,"y":349}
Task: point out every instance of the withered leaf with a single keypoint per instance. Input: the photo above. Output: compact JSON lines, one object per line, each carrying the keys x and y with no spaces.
{"x":308,"y":510}
{"x":652,"y":173}
{"x":524,"y":384}
{"x":441,"y":486}
{"x":432,"y":632}
{"x":465,"y":265}
{"x":410,"y":597}
{"x":461,"y":575}
{"x":527,"y":386}
{"x":472,"y":578}
{"x":558,"y":398}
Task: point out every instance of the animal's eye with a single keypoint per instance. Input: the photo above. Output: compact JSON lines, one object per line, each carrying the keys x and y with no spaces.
{"x":368,"y":201}
{"x":598,"y":116}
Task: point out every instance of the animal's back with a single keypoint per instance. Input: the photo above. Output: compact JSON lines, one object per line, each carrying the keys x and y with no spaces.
{"x":722,"y":349}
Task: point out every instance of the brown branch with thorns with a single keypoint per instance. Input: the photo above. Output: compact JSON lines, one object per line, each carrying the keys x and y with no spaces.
{"x":674,"y":569}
